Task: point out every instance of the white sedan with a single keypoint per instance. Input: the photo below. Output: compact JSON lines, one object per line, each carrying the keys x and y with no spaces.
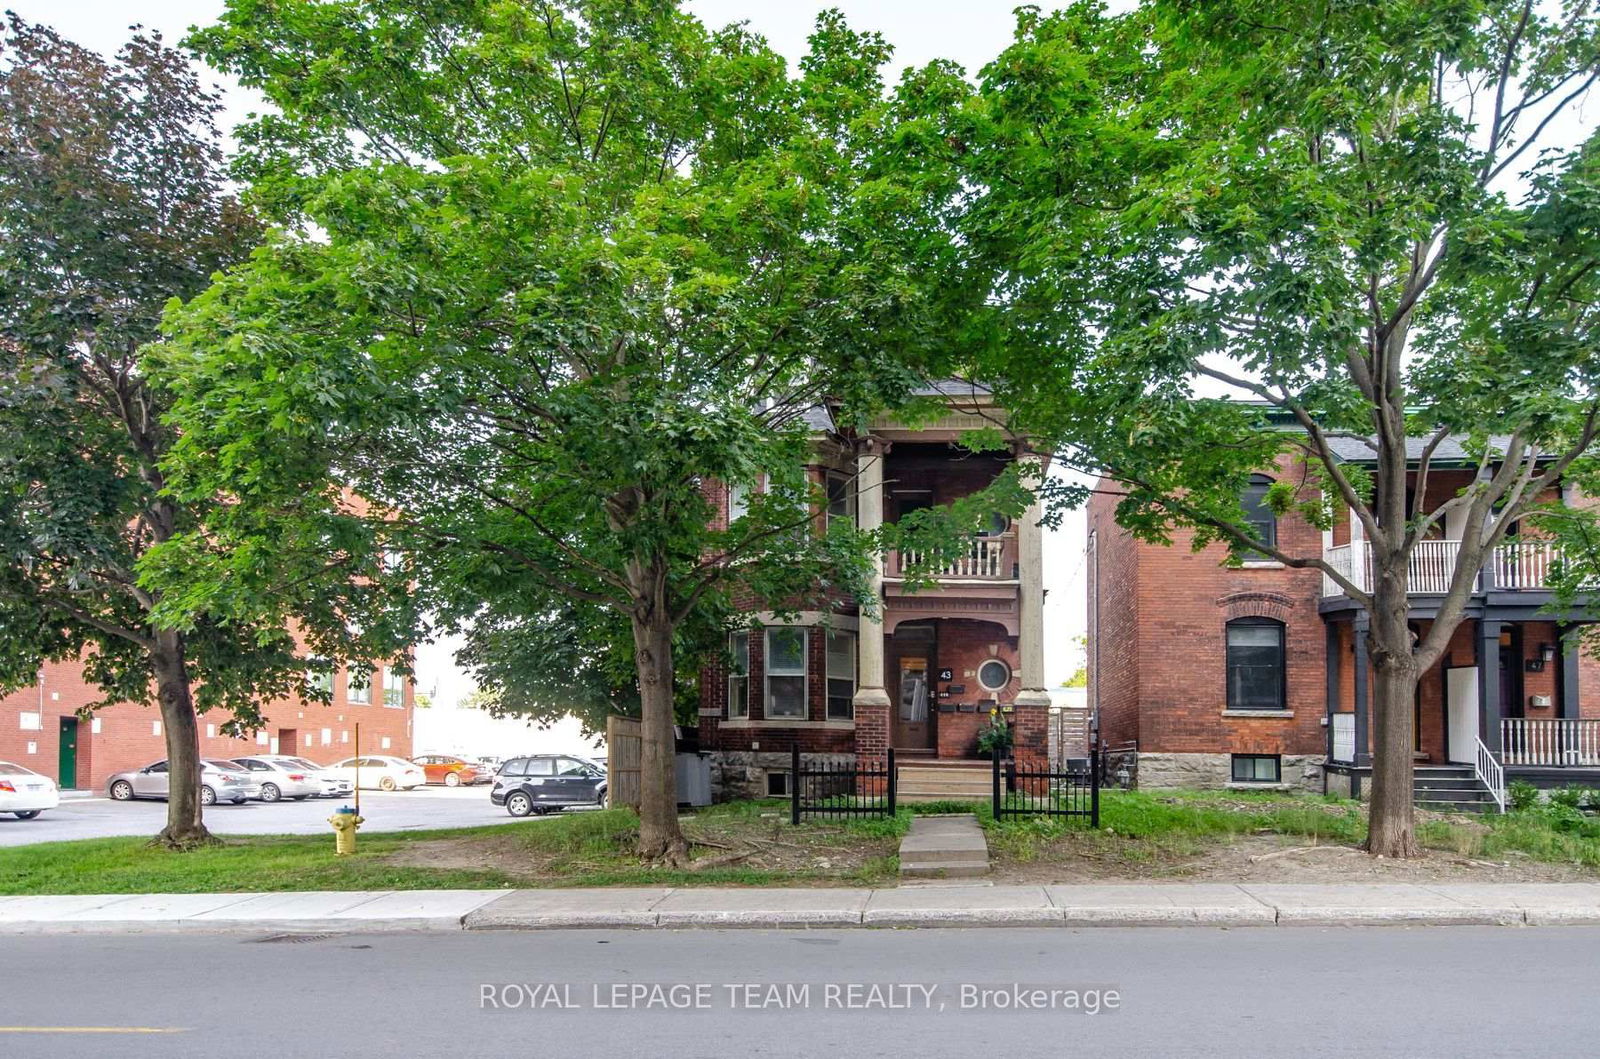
{"x":380,"y":772}
{"x":24,"y":792}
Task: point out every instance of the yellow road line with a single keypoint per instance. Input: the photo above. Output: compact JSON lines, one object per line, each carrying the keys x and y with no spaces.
{"x":91,"y":1029}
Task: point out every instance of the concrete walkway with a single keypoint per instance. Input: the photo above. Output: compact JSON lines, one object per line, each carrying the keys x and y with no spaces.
{"x":1197,"y":904}
{"x":944,"y":847}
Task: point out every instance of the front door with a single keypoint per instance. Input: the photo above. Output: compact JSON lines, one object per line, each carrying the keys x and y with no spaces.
{"x":288,"y":742}
{"x":67,"y":755}
{"x":912,"y":730}
{"x":1510,"y":680}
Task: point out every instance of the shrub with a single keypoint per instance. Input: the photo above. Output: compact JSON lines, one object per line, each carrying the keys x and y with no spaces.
{"x":1522,"y":795}
{"x":1569,"y":797}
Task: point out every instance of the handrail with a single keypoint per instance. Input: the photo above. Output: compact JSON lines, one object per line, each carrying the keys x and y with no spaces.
{"x":1491,"y":775}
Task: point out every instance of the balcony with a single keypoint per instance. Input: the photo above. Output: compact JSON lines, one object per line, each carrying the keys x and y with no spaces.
{"x":986,"y":559}
{"x":1517,"y":567}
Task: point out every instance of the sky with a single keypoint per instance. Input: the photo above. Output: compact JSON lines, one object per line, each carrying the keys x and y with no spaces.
{"x":970,"y":32}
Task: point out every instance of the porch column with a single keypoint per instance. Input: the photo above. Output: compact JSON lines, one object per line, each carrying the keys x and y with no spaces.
{"x":871,"y":700}
{"x":1489,"y":704}
{"x":1358,"y":635}
{"x":1330,"y":664}
{"x":1567,"y":708}
{"x":1033,"y":700}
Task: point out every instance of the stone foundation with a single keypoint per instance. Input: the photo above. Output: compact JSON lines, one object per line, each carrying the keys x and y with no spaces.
{"x":1215,"y":772}
{"x":743,"y":773}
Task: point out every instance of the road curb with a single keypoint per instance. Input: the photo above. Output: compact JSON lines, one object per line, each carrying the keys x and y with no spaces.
{"x":667,"y":908}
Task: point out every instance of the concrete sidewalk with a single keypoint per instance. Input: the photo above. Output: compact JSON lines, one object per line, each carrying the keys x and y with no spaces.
{"x":1198,"y":904}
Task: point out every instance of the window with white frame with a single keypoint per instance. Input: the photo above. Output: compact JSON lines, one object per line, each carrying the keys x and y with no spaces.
{"x":841,"y":499}
{"x":739,"y":675}
{"x":786,"y":672}
{"x":841,"y":675}
{"x":358,"y":685}
{"x":394,"y":688}
{"x":320,"y":676}
{"x":738,"y":501}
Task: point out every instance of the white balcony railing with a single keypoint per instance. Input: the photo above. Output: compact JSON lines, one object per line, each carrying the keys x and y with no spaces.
{"x":1515,"y":567}
{"x":1550,"y":741}
{"x":986,"y":559}
{"x":1524,"y":564}
{"x":1344,"y":738}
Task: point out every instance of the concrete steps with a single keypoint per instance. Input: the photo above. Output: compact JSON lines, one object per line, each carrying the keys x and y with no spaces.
{"x":937,"y":783}
{"x":944,"y":847}
{"x":1449,"y":788}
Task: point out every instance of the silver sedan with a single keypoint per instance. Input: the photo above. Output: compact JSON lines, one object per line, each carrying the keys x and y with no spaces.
{"x":281,"y":777}
{"x":219,"y":782}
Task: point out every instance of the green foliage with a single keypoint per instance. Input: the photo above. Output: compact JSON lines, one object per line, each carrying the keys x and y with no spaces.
{"x":1521,"y":795}
{"x":540,"y":278}
{"x":112,"y":203}
{"x":994,"y":737}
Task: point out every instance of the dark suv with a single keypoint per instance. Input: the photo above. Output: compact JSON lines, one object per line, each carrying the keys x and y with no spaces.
{"x":547,"y":783}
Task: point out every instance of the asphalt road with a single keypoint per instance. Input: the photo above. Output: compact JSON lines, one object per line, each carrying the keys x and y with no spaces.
{"x":425,"y":807}
{"x":1460,"y":992}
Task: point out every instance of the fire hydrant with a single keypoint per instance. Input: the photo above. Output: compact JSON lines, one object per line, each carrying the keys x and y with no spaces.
{"x":345,"y":821}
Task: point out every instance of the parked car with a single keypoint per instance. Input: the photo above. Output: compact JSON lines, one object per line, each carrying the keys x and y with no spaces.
{"x":334,"y":784}
{"x":24,"y":793}
{"x":453,"y":771}
{"x":381,"y":771}
{"x":281,"y":777}
{"x":220,"y":781}
{"x":544,"y":783}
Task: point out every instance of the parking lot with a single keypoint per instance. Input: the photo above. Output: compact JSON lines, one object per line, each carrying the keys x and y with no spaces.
{"x":423,"y":808}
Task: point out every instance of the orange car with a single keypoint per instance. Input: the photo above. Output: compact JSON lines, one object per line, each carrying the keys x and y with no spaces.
{"x":453,"y":771}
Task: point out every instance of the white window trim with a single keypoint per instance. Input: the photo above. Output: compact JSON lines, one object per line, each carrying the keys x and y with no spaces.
{"x":803,"y":673}
{"x":828,"y":478}
{"x":390,"y":673}
{"x":350,"y":686}
{"x":829,"y":675}
{"x":734,"y":675}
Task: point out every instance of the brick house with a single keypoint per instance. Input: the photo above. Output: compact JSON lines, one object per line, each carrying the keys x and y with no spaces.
{"x":41,"y":729}
{"x":1207,"y":675}
{"x":921,"y":675}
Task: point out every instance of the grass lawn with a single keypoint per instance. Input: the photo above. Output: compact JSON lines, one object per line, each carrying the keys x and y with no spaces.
{"x":738,"y":844}
{"x":1177,"y":834}
{"x":1157,"y":835}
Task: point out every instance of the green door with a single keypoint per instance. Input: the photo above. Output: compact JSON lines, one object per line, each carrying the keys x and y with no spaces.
{"x":67,"y":759}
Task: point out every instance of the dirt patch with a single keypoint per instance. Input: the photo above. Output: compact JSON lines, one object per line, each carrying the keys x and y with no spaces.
{"x":764,"y":845}
{"x":1264,"y":859}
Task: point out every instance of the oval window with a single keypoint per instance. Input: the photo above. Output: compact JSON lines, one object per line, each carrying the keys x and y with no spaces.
{"x":994,"y":675}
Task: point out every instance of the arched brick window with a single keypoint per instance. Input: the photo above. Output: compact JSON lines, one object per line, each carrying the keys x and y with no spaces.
{"x":1256,"y":668}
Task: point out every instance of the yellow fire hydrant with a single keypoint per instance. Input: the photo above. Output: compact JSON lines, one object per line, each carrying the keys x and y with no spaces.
{"x":345,"y":821}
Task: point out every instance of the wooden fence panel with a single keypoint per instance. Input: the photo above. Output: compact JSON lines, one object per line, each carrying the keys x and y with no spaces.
{"x":623,"y":738}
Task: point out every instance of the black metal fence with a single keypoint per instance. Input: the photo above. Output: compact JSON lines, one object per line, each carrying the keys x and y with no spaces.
{"x":841,"y":791}
{"x":1031,"y":788}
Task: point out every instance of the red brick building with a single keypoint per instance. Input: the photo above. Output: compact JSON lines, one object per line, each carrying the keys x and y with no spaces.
{"x":922,"y":674}
{"x":41,"y":728}
{"x":1207,"y":675}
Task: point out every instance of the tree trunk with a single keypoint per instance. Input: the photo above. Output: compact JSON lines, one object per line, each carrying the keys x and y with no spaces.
{"x":185,"y":829}
{"x":661,"y":840}
{"x":1391,"y":828}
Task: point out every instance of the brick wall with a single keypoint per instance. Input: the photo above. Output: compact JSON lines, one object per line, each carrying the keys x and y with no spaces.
{"x":1113,"y":650}
{"x":129,"y":735}
{"x":1161,"y":675}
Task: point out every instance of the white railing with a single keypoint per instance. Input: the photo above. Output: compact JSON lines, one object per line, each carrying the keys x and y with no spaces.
{"x":1550,"y":741}
{"x":1524,"y":564}
{"x":1515,"y":567}
{"x":1344,"y":738}
{"x":1491,"y":775}
{"x":984,"y":560}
